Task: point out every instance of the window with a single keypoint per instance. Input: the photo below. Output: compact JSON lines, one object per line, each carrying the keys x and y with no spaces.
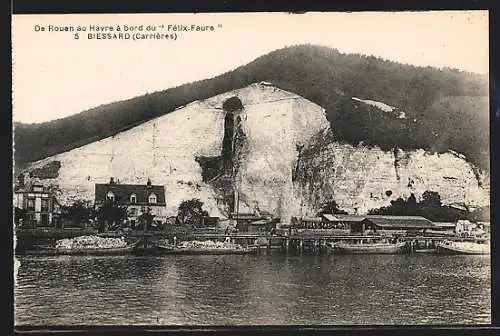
{"x":110,"y":196}
{"x":133,"y":212}
{"x":45,"y":220}
{"x":31,"y":204}
{"x":133,"y":198}
{"x":152,"y":198}
{"x":45,"y":205}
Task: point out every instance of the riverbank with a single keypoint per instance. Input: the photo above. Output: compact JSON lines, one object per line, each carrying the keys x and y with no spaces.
{"x":293,"y":242}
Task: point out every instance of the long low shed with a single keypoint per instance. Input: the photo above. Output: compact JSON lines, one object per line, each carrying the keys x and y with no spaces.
{"x":371,"y":223}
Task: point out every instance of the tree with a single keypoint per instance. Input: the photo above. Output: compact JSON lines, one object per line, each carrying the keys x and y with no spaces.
{"x":430,"y":207}
{"x":431,"y":199}
{"x":146,"y":218}
{"x":77,"y":213}
{"x":111,"y":212}
{"x":191,"y":212}
{"x":19,"y":214}
{"x":411,"y":206}
{"x":331,"y":207}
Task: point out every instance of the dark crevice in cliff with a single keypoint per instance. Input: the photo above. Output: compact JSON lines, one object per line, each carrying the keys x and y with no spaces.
{"x":220,"y":171}
{"x":210,"y":167}
{"x":239,"y":146}
{"x":227,"y":143}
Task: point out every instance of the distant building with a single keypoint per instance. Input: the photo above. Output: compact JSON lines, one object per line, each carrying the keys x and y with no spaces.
{"x":306,"y":222}
{"x":138,"y":198}
{"x":485,"y":226}
{"x":399,"y":224}
{"x":444,"y":227}
{"x":341,"y":223}
{"x":242,"y":220}
{"x":465,"y":228}
{"x":262,"y":226}
{"x":353,"y":224}
{"x":36,"y":207}
{"x":211,"y":221}
{"x":348,"y":223}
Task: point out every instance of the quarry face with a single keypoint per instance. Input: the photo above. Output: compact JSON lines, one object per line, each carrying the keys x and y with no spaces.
{"x":257,"y":147}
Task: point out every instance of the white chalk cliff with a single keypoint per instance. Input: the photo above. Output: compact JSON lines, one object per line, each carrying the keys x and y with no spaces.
{"x":288,"y":164}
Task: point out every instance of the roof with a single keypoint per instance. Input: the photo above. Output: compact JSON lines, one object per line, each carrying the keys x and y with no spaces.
{"x":261,"y":222}
{"x":343,"y":218}
{"x":315,"y":220}
{"x":445,"y":224}
{"x":416,"y":222}
{"x":124,"y":191}
{"x":31,"y":189}
{"x":243,"y":215}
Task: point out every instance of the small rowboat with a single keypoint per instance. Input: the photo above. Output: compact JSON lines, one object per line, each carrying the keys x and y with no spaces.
{"x":45,"y":250}
{"x":370,"y":248}
{"x":449,"y":247}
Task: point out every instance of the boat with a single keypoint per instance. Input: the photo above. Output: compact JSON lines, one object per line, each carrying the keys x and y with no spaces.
{"x":201,"y":248}
{"x":463,"y":247}
{"x":369,"y":248}
{"x":49,"y":250}
{"x":426,"y":250}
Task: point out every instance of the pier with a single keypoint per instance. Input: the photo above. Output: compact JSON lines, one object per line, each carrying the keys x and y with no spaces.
{"x":286,"y":241}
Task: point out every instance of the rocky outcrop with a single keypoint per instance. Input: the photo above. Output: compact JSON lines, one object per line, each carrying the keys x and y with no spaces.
{"x":361,"y":178}
{"x":282,"y":158}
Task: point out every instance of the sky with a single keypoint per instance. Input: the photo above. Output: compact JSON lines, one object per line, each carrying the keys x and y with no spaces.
{"x":55,"y":75}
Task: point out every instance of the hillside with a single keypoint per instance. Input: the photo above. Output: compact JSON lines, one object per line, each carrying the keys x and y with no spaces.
{"x":258,"y":147}
{"x":326,"y":77}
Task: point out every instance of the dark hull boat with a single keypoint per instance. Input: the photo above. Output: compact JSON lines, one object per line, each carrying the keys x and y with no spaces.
{"x":369,"y":248}
{"x":170,"y":249}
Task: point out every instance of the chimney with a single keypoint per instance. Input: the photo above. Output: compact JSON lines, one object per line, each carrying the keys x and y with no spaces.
{"x":111,"y":181}
{"x":149,"y":183}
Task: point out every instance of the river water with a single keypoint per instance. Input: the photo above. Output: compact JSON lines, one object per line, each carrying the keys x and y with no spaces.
{"x":253,"y":290}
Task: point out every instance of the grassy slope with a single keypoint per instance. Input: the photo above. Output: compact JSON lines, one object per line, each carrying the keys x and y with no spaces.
{"x":432,"y":98}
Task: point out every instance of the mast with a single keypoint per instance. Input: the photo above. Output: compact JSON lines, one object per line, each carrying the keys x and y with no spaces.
{"x":237,"y":201}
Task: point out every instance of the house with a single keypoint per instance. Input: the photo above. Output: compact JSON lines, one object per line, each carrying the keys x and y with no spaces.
{"x":465,"y":228}
{"x":345,"y":223}
{"x":336,"y":224}
{"x":262,"y":226}
{"x":485,"y":226}
{"x":447,"y":228}
{"x":308,"y":222}
{"x":211,"y":221}
{"x":137,"y":198}
{"x":342,"y":223}
{"x":399,"y":224}
{"x":241,"y":220}
{"x":36,"y":207}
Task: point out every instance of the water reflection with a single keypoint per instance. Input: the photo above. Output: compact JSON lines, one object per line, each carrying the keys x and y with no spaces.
{"x":340,"y":289}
